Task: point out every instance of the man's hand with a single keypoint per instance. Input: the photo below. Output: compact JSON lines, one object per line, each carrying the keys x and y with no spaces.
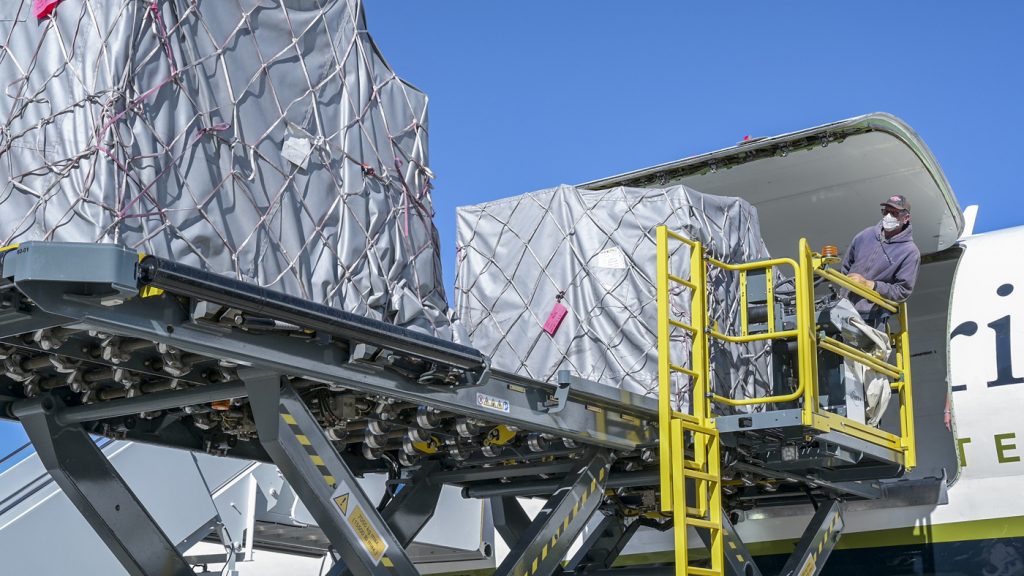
{"x":869,"y":284}
{"x":948,"y":421}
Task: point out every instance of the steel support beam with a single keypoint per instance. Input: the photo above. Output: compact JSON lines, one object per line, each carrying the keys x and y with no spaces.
{"x":510,"y":520}
{"x":669,"y":570}
{"x":151,"y":402}
{"x":738,"y":560}
{"x":817,"y":542}
{"x":545,"y":487}
{"x":603,"y":545}
{"x":325,"y":484}
{"x":96,"y":489}
{"x":541,"y":547}
{"x":410,"y":510}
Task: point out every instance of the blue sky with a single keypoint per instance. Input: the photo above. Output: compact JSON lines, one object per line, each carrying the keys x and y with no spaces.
{"x":526,"y":95}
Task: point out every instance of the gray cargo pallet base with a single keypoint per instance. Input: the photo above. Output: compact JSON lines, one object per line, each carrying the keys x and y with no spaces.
{"x":58,"y":299}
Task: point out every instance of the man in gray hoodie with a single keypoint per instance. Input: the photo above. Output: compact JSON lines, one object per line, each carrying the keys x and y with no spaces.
{"x":884,"y":258}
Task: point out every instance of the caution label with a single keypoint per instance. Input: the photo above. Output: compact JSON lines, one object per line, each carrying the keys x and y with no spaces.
{"x":374,"y":545}
{"x":342,"y":502}
{"x":368,"y":536}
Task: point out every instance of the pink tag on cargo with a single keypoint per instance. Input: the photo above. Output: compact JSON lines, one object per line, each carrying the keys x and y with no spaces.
{"x":42,"y":8}
{"x":558,"y":313}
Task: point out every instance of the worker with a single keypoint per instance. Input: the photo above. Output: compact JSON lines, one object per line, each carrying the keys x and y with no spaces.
{"x":885,"y":259}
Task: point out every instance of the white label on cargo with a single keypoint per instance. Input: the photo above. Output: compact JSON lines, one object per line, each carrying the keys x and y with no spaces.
{"x":297,"y":151}
{"x":611,"y":258}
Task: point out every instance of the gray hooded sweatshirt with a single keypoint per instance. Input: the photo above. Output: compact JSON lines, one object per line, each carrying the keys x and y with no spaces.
{"x":891,"y":263}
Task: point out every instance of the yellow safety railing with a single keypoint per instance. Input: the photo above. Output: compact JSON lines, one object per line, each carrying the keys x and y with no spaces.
{"x":704,"y":470}
{"x":803,"y":332}
{"x":899,"y":373}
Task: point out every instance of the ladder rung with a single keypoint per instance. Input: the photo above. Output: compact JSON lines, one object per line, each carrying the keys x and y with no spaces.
{"x":684,"y":370}
{"x":698,"y":428}
{"x":703,"y":523}
{"x":685,"y":417}
{"x":695,"y":571}
{"x":700,"y":475}
{"x":686,"y":327}
{"x":682,"y":281}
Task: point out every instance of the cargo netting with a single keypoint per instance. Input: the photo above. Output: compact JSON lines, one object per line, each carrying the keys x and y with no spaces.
{"x":265,"y":140}
{"x":564,"y":279}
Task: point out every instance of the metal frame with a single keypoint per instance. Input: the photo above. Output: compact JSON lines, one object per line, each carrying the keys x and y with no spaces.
{"x":539,"y":550}
{"x":703,"y":430}
{"x":818,"y":541}
{"x":594,"y":414}
{"x":78,"y":288}
{"x":325,"y":484}
{"x":95,"y":488}
{"x":603,"y":546}
{"x":808,"y":341}
{"x":738,"y":560}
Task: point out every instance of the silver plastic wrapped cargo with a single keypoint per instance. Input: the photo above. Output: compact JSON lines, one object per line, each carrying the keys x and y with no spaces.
{"x":265,"y":140}
{"x":522,"y":260}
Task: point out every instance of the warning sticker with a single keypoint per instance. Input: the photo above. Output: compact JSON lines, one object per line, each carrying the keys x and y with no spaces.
{"x":374,"y":545}
{"x":370,"y":538}
{"x":342,"y":502}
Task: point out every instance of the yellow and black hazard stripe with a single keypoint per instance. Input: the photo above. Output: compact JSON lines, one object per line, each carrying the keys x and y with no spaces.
{"x":588,"y":493}
{"x":308,"y":445}
{"x":828,"y":533}
{"x":811,"y":565}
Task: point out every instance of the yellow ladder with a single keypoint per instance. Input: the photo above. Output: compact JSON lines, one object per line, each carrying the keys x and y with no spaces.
{"x":678,"y":430}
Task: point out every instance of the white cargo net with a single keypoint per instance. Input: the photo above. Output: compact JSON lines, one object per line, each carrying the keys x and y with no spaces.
{"x":265,"y":140}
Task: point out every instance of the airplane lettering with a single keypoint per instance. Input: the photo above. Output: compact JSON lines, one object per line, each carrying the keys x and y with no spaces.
{"x":960,"y":450}
{"x":1002,"y":448}
{"x":1004,"y":362}
{"x":1004,"y":345}
{"x":1005,"y":445}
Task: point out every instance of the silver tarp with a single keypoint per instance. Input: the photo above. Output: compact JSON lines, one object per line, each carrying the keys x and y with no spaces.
{"x":265,"y":140}
{"x":594,"y":252}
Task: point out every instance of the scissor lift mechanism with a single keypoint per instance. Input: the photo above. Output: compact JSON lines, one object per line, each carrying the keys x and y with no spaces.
{"x":96,"y":339}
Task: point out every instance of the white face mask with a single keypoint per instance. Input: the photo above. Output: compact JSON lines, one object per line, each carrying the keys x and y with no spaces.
{"x":890,"y":222}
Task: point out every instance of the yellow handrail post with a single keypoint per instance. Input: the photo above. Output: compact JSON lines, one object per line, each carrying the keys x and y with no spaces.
{"x":701,"y":385}
{"x":682,"y":547}
{"x":907,"y":434}
{"x":807,"y":348}
{"x":715,"y":505}
{"x":743,"y":303}
{"x":664,"y":371}
{"x":698,"y":319}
